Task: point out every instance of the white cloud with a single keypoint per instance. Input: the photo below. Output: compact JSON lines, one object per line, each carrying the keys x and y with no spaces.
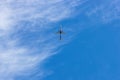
{"x":24,"y":29}
{"x":21,"y":48}
{"x":105,"y":12}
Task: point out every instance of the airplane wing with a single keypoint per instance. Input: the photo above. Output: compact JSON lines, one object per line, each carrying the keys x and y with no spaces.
{"x":59,"y":32}
{"x":63,"y":32}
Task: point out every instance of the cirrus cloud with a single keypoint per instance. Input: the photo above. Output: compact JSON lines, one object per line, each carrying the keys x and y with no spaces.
{"x":23,"y":27}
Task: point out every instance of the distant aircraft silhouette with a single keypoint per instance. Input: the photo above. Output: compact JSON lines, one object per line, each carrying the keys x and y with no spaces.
{"x":60,"y":32}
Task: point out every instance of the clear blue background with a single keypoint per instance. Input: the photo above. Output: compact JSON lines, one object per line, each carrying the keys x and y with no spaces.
{"x":93,"y":55}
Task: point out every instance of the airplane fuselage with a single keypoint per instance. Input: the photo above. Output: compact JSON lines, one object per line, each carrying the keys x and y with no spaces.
{"x":60,"y":32}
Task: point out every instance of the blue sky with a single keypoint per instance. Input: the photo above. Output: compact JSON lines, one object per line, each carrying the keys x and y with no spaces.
{"x":92,"y":56}
{"x":30,"y":49}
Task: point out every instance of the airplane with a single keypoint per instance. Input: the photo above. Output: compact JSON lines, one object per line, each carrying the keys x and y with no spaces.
{"x":60,"y":32}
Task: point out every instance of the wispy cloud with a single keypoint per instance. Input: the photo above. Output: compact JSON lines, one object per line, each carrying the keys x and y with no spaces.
{"x":105,"y":12}
{"x":24,"y":29}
